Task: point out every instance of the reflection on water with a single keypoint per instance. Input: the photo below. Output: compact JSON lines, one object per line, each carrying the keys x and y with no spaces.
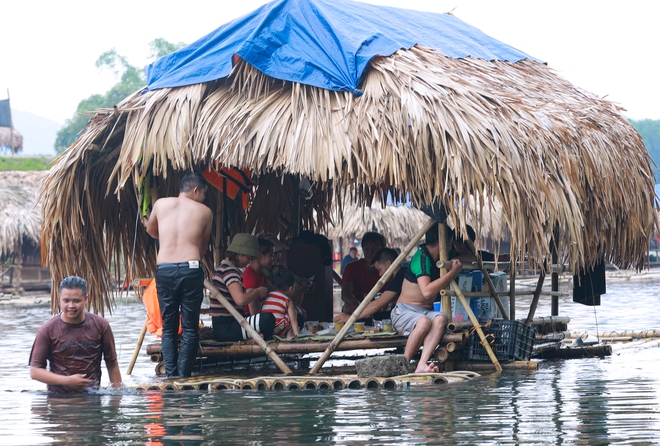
{"x":589,"y":401}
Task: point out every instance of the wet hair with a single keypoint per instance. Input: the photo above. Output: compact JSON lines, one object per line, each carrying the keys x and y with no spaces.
{"x":353,"y":248}
{"x":192,"y":180}
{"x":283,"y":279}
{"x":383,"y":255}
{"x":265,"y":246}
{"x":375,"y":238}
{"x":74,"y":283}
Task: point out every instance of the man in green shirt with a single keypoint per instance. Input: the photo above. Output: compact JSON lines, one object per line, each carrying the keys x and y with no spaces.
{"x":413,"y":315}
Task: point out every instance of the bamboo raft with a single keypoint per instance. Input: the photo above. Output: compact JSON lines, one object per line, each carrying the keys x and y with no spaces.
{"x":308,"y":382}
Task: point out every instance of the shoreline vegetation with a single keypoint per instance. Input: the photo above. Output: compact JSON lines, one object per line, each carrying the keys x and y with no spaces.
{"x":25,"y":163}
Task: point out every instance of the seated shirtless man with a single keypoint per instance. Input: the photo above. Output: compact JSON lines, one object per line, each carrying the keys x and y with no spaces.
{"x":413,"y":315}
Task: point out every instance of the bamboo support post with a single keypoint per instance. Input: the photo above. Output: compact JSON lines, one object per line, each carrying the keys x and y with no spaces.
{"x":248,"y":328}
{"x":382,"y":281}
{"x":535,"y":299}
{"x":489,"y":281}
{"x":512,"y":294}
{"x":554,"y":278}
{"x":444,"y":257}
{"x":138,"y":346}
{"x":475,"y":322}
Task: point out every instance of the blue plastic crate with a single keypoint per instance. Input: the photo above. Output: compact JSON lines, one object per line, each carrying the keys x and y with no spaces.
{"x":510,"y":340}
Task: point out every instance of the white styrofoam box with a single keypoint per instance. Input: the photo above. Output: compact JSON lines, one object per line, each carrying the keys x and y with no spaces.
{"x":500,"y":282}
{"x":482,"y":307}
{"x":464,"y":282}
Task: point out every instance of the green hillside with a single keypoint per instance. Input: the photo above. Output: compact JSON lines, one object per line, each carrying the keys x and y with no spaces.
{"x":25,"y":163}
{"x":650,"y":131}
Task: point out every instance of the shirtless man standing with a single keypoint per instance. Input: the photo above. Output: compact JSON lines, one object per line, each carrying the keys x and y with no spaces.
{"x":183,"y":226}
{"x":413,"y":315}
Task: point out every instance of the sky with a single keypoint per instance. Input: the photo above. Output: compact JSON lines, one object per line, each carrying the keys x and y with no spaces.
{"x":48,"y":49}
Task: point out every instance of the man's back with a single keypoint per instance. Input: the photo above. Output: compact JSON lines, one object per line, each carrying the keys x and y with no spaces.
{"x":183,"y":228}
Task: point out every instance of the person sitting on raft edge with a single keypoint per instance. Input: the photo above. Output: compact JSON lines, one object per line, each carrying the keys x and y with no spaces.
{"x":228,"y":278}
{"x":413,"y":314}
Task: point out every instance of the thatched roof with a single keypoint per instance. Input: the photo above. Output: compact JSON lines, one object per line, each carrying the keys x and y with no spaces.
{"x":426,"y":127}
{"x":6,"y":135}
{"x":398,"y":224}
{"x":20,"y":217}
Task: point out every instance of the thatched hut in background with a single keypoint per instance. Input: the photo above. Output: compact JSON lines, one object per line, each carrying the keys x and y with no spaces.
{"x":398,"y":224}
{"x":11,"y":141}
{"x":405,"y":104}
{"x":20,"y":232}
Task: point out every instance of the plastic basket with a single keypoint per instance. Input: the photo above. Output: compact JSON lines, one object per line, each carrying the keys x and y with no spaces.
{"x":510,"y":340}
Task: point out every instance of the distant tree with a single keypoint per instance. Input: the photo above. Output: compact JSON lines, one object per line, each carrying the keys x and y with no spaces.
{"x":650,"y":131}
{"x":131,"y":78}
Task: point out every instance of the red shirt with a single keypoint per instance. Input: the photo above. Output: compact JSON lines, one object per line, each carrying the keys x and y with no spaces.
{"x":251,"y":280}
{"x":362,"y":277}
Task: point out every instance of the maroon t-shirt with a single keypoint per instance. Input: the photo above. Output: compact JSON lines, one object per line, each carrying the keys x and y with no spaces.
{"x":362,"y":277}
{"x":74,"y":348}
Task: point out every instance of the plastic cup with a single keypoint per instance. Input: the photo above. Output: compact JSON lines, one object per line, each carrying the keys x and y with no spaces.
{"x":387,"y":325}
{"x":313,"y":326}
{"x":339,"y":325}
{"x":436,"y":306}
{"x":358,"y":327}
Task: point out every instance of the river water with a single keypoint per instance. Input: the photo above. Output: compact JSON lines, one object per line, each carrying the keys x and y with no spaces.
{"x":615,"y":400}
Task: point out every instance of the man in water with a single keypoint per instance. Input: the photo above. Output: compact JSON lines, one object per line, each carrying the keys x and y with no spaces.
{"x":72,"y":343}
{"x":183,"y":226}
{"x":413,"y":314}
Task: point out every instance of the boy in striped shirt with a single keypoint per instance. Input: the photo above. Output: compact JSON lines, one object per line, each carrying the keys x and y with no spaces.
{"x":279,"y":303}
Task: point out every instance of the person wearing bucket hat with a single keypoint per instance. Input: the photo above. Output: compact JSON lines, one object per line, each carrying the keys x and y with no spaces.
{"x":228,"y":278}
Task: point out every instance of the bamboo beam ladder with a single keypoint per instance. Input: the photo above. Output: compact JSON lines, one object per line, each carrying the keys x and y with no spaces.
{"x":382,"y":281}
{"x":248,"y":328}
{"x":489,"y":281}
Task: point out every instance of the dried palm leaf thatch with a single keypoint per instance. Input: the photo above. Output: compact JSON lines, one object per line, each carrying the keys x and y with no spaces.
{"x":10,"y":138}
{"x":20,"y":216}
{"x":398,"y":224}
{"x":426,"y":127}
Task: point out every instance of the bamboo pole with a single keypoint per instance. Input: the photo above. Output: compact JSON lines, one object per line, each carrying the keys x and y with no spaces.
{"x":233,"y":349}
{"x":247,"y":327}
{"x":535,"y":299}
{"x":484,"y":366}
{"x":554,"y":277}
{"x":138,"y":346}
{"x":475,"y":322}
{"x":512,"y":294}
{"x":444,"y":257}
{"x":470,"y":294}
{"x":489,"y":281}
{"x":382,"y":281}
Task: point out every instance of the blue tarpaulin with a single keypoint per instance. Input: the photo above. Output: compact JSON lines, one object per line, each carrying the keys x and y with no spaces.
{"x":324,"y":43}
